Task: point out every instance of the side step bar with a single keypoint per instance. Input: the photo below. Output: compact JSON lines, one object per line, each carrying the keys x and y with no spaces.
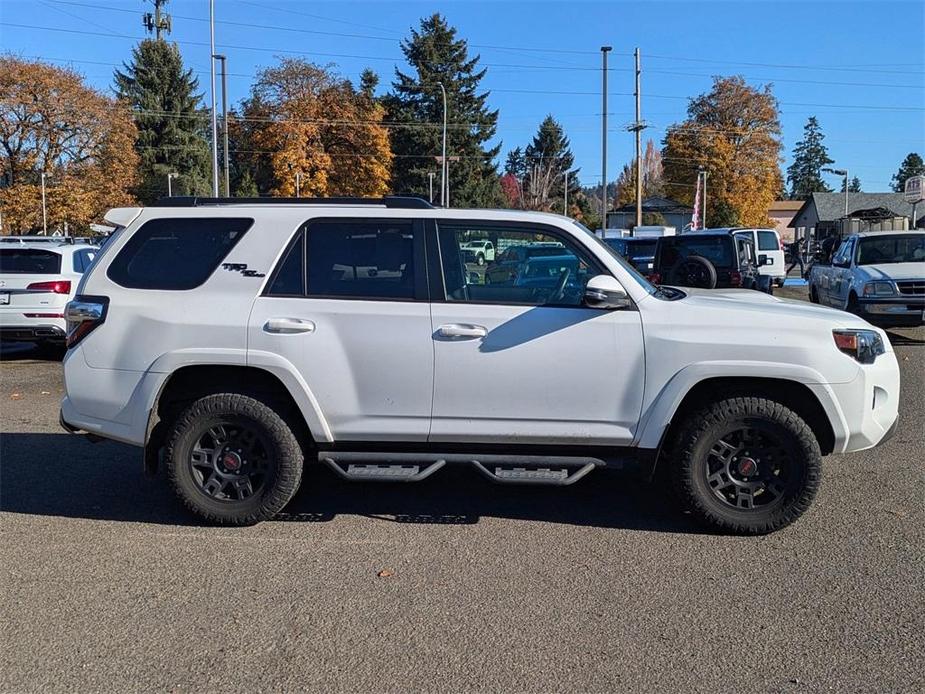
{"x":503,"y":469}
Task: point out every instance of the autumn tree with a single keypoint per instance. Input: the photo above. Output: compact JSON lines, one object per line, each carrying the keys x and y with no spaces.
{"x":415,"y":105}
{"x":809,"y":157}
{"x":911,"y":166}
{"x":303,"y":120}
{"x":733,"y":133}
{"x":52,"y":123}
{"x":653,"y":177}
{"x":172,"y":124}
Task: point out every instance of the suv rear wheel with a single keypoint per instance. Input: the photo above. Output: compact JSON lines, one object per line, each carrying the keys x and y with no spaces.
{"x":747,"y":465}
{"x":233,"y":459}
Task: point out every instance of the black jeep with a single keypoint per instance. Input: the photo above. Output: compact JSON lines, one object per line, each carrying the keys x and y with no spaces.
{"x":707,"y":260}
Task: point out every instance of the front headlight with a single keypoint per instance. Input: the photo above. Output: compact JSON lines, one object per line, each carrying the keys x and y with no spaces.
{"x":863,"y":345}
{"x":879,"y":288}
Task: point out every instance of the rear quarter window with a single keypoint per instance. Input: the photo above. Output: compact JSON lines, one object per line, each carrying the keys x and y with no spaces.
{"x":29,"y":261}
{"x":176,"y":253}
{"x":767,"y":241}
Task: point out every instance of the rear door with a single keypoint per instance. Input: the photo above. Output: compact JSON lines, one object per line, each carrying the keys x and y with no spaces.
{"x":518,"y":357}
{"x":348,"y":308}
{"x":31,"y":281}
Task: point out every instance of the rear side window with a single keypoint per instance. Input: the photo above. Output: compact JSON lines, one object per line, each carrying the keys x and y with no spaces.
{"x":364,"y":259}
{"x":29,"y":261}
{"x":767,"y":241}
{"x":176,"y":253}
{"x":289,"y":279}
{"x":83,"y":259}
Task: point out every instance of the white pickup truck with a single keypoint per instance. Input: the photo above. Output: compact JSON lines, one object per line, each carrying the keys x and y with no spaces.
{"x":878,"y":276}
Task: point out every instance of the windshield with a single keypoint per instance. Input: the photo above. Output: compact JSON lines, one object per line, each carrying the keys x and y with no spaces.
{"x":625,"y":264}
{"x":891,"y":249}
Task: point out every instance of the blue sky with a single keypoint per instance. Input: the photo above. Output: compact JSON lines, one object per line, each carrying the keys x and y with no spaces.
{"x":859,"y":67}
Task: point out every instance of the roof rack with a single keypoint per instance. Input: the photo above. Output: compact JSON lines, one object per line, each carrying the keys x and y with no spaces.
{"x":406,"y":202}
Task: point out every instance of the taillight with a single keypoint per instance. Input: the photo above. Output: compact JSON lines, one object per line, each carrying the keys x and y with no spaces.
{"x":735,"y":278}
{"x":84,"y":314}
{"x":55,"y":287}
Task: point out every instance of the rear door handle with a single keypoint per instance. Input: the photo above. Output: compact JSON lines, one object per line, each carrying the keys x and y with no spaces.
{"x":462,"y":330}
{"x":289,"y":326}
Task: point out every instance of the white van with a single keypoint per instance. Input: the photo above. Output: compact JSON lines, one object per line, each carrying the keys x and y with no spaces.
{"x":769,"y":248}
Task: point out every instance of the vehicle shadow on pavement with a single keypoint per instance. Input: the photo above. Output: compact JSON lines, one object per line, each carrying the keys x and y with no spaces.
{"x":900,"y":340}
{"x":66,"y":476}
{"x":25,"y":351}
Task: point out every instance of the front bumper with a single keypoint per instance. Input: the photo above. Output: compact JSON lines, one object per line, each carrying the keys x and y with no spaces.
{"x":889,"y":311}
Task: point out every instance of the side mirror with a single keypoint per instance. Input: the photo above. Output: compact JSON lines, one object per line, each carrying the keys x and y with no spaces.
{"x":841,"y":263}
{"x":604,"y":291}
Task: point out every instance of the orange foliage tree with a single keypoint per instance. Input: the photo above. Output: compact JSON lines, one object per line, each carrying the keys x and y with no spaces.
{"x":303,"y":119}
{"x":733,"y":133}
{"x":51,"y":122}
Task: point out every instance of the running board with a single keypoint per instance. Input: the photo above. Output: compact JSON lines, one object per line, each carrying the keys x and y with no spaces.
{"x":546,"y":470}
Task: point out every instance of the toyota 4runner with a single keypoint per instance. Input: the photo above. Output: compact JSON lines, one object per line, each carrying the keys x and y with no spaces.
{"x":237,"y":340}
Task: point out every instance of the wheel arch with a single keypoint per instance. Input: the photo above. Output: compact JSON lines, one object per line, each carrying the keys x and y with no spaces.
{"x":193,"y":381}
{"x":794,"y":394}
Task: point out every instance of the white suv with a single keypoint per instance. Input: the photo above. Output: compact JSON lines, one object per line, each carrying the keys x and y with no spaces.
{"x":235,"y":341}
{"x":37,"y":280}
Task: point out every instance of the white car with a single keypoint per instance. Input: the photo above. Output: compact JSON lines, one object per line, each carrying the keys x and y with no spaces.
{"x":237,"y":341}
{"x":481,"y":251}
{"x":37,"y":279}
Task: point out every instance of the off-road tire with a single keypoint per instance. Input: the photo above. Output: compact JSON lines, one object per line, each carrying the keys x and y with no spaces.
{"x":813,"y":294}
{"x":677,"y":276}
{"x":692,"y":446}
{"x":283,"y":446}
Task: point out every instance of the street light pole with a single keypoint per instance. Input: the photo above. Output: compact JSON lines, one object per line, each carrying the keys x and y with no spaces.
{"x":565,"y":201}
{"x":430,"y":185}
{"x":170,"y":177}
{"x":298,"y":184}
{"x":44,"y":212}
{"x":214,"y":118}
{"x":221,"y":59}
{"x":445,"y":171}
{"x":841,"y":172}
{"x":604,"y":51}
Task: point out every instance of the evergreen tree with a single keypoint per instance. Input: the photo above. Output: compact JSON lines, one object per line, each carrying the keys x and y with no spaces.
{"x":854,"y":185}
{"x":809,"y":156}
{"x":516,"y":164}
{"x":547,"y":159}
{"x":912,"y":166}
{"x":369,"y":80}
{"x":172,"y":127}
{"x":437,"y":57}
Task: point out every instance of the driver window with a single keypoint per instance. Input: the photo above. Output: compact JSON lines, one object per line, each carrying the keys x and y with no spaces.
{"x":528,"y":267}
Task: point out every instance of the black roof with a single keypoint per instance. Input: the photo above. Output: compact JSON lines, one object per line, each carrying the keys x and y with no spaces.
{"x":390,"y":201}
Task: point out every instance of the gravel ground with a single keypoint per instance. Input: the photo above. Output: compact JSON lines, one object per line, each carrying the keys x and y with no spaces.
{"x":452,"y":584}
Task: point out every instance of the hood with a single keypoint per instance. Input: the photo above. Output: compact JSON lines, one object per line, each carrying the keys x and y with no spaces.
{"x":765,"y":306}
{"x":894,"y":271}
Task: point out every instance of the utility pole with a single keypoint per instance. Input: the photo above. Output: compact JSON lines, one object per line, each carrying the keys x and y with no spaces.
{"x":44,"y":212}
{"x":430,"y":185}
{"x":604,"y":51}
{"x":565,"y":201}
{"x":170,"y":177}
{"x":298,"y":184}
{"x":637,"y":128}
{"x":157,"y":22}
{"x":212,"y":77}
{"x":841,"y":172}
{"x":221,"y":58}
{"x":703,"y":215}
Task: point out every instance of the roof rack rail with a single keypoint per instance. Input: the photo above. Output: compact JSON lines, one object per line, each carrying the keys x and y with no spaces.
{"x":406,"y":202}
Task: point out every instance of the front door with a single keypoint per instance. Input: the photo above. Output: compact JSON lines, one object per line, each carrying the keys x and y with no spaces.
{"x":347,"y":309}
{"x":518,"y":358}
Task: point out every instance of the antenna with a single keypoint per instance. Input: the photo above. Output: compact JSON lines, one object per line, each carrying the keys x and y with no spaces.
{"x":157,"y":22}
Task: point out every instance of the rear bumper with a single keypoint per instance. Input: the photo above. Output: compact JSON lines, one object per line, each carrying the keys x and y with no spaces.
{"x":32,"y":333}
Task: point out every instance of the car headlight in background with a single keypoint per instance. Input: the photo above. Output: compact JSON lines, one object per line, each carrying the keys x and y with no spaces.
{"x":863,"y":345}
{"x":879,"y":289}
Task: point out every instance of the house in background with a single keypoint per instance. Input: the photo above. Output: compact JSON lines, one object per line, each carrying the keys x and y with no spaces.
{"x":676,"y":215}
{"x":781,"y":213}
{"x":819,"y":214}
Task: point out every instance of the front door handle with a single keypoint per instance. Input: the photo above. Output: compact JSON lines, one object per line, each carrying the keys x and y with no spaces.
{"x":462,"y":330}
{"x":289,"y":326}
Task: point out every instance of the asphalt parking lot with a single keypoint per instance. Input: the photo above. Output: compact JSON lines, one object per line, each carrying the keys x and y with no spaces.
{"x":449,"y":585}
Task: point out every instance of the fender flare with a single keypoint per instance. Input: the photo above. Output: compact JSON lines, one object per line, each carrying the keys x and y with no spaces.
{"x":657,"y":416}
{"x":274,"y":364}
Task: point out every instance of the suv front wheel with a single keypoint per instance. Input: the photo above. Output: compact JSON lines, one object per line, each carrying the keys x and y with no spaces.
{"x":747,"y":465}
{"x":232,"y":459}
